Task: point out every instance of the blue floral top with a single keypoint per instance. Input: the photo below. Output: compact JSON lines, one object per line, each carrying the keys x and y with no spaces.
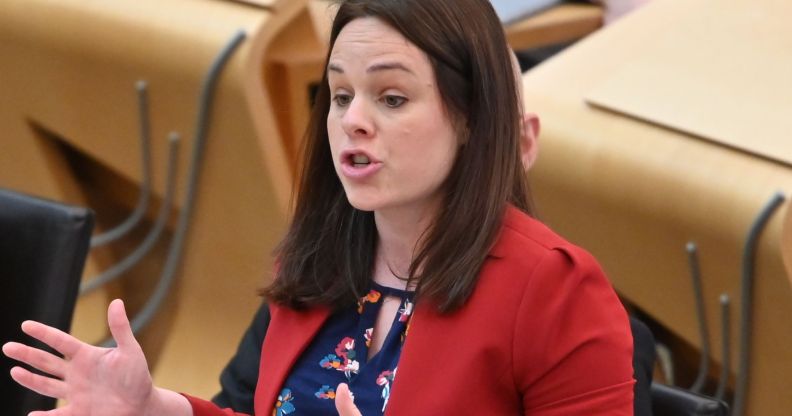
{"x":339,"y":354}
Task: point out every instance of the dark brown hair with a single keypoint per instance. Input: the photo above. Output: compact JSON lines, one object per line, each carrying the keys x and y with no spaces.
{"x":327,"y":256}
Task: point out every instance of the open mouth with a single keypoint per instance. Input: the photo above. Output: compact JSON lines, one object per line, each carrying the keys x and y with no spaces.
{"x":357,"y":164}
{"x":360,"y":160}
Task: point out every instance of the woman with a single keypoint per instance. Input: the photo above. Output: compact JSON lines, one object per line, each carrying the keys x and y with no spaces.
{"x":412,"y":273}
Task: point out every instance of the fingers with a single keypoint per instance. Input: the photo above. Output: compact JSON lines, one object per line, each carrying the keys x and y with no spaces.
{"x":63,"y":411}
{"x":119,"y":325}
{"x":345,"y":402}
{"x":46,"y":386}
{"x":36,"y":358}
{"x":55,"y":412}
{"x":55,"y":338}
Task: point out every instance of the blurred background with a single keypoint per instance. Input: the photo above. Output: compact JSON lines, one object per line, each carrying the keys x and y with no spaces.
{"x":664,"y":136}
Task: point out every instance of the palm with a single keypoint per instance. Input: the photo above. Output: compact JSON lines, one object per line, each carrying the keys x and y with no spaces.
{"x":107,"y":382}
{"x":92,"y":380}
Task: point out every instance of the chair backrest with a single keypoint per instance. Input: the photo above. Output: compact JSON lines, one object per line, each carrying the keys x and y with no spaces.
{"x":643,"y":365}
{"x":656,"y":399}
{"x":43,"y":245}
{"x":673,"y":401}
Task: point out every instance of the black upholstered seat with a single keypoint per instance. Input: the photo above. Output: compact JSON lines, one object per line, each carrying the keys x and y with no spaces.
{"x":43,"y":245}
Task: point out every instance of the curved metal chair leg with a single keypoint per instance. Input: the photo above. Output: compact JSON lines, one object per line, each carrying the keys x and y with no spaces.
{"x":723,"y":381}
{"x":145,"y":187}
{"x":746,"y":300}
{"x":704,"y":362}
{"x":153,"y":235}
{"x":152,"y":305}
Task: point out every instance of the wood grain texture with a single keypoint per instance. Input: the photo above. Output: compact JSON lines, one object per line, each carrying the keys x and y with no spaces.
{"x":562,"y":23}
{"x":634,"y":193}
{"x":726,"y":80}
{"x":70,"y":67}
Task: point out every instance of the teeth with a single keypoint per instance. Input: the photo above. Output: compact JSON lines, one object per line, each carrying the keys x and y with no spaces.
{"x":360,"y":159}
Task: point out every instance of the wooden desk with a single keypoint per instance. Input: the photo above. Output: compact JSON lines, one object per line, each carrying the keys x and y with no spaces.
{"x":635,"y":193}
{"x":786,"y":244}
{"x":562,"y":23}
{"x":70,"y":132}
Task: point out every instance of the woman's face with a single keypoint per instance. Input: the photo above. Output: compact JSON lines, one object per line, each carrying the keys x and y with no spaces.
{"x":392,"y":142}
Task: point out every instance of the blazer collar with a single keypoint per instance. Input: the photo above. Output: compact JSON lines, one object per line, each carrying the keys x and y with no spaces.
{"x":511,"y":217}
{"x":289,"y":334}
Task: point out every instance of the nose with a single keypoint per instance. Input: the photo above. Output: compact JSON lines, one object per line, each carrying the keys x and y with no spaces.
{"x":357,"y":121}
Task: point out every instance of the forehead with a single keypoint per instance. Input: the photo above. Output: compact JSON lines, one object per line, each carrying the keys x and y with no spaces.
{"x":369,"y":40}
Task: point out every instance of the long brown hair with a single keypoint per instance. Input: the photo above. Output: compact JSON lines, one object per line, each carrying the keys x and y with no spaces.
{"x":327,"y":256}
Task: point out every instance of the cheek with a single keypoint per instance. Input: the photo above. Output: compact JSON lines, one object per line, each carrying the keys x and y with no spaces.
{"x":334,"y":134}
{"x":433,"y":150}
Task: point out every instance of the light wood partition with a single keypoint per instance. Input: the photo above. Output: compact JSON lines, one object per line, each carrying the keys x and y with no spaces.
{"x":70,"y":133}
{"x":634,"y":193}
{"x":786,"y":244}
{"x":562,"y":23}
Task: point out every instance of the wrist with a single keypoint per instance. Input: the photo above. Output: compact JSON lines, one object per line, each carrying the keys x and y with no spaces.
{"x":167,"y":402}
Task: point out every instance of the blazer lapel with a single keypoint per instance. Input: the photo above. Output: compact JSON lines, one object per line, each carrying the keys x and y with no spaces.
{"x":289,"y":333}
{"x":415,"y":358}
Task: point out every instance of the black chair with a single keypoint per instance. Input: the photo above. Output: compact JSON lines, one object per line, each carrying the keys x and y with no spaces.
{"x":659,"y":399}
{"x":644,"y":355}
{"x":674,"y":401}
{"x":43,"y":245}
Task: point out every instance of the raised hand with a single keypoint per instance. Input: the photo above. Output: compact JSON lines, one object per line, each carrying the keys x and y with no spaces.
{"x":345,"y":403}
{"x":92,"y":380}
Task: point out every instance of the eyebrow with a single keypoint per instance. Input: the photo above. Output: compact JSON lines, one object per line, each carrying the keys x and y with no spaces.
{"x":384,"y":66}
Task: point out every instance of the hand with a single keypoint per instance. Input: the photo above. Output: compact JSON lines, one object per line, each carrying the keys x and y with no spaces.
{"x":92,"y":380}
{"x":345,"y":403}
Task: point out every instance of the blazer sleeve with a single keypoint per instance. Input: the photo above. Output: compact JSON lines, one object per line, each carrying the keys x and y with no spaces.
{"x":239,"y":377}
{"x":202,"y":407}
{"x":573,"y":348}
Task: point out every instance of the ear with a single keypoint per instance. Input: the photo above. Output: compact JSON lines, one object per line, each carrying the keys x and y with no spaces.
{"x":529,"y":139}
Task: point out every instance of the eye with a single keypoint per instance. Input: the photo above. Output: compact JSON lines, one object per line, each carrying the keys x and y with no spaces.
{"x":342,"y":100}
{"x":394,"y":101}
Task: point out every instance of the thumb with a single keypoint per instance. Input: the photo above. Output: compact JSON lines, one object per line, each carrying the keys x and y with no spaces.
{"x":345,"y":402}
{"x":119,"y":325}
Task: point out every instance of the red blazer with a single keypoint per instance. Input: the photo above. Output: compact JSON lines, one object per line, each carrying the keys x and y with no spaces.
{"x":543,"y":334}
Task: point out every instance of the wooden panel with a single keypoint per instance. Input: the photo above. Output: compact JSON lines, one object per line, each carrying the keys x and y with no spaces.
{"x":786,"y":244}
{"x":266,"y":4}
{"x":71,"y":66}
{"x":701,"y":89}
{"x":635,"y":193}
{"x":562,"y":23}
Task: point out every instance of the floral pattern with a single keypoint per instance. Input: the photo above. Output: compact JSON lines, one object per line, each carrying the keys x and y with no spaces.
{"x":406,"y":311}
{"x":384,"y":380}
{"x":343,"y":359}
{"x":372,"y":297}
{"x":346,"y":337}
{"x":367,"y":336}
{"x":284,"y":405}
{"x":325,"y":392}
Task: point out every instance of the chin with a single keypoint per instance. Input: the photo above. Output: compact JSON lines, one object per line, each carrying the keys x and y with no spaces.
{"x":362,"y":204}
{"x":365,"y":201}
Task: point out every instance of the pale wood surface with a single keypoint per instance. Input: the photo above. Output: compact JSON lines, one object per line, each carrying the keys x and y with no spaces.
{"x":786,"y":244}
{"x":70,"y":67}
{"x":635,"y":193}
{"x":702,"y":89}
{"x":267,"y":4}
{"x":294,"y":63}
{"x":562,"y":23}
